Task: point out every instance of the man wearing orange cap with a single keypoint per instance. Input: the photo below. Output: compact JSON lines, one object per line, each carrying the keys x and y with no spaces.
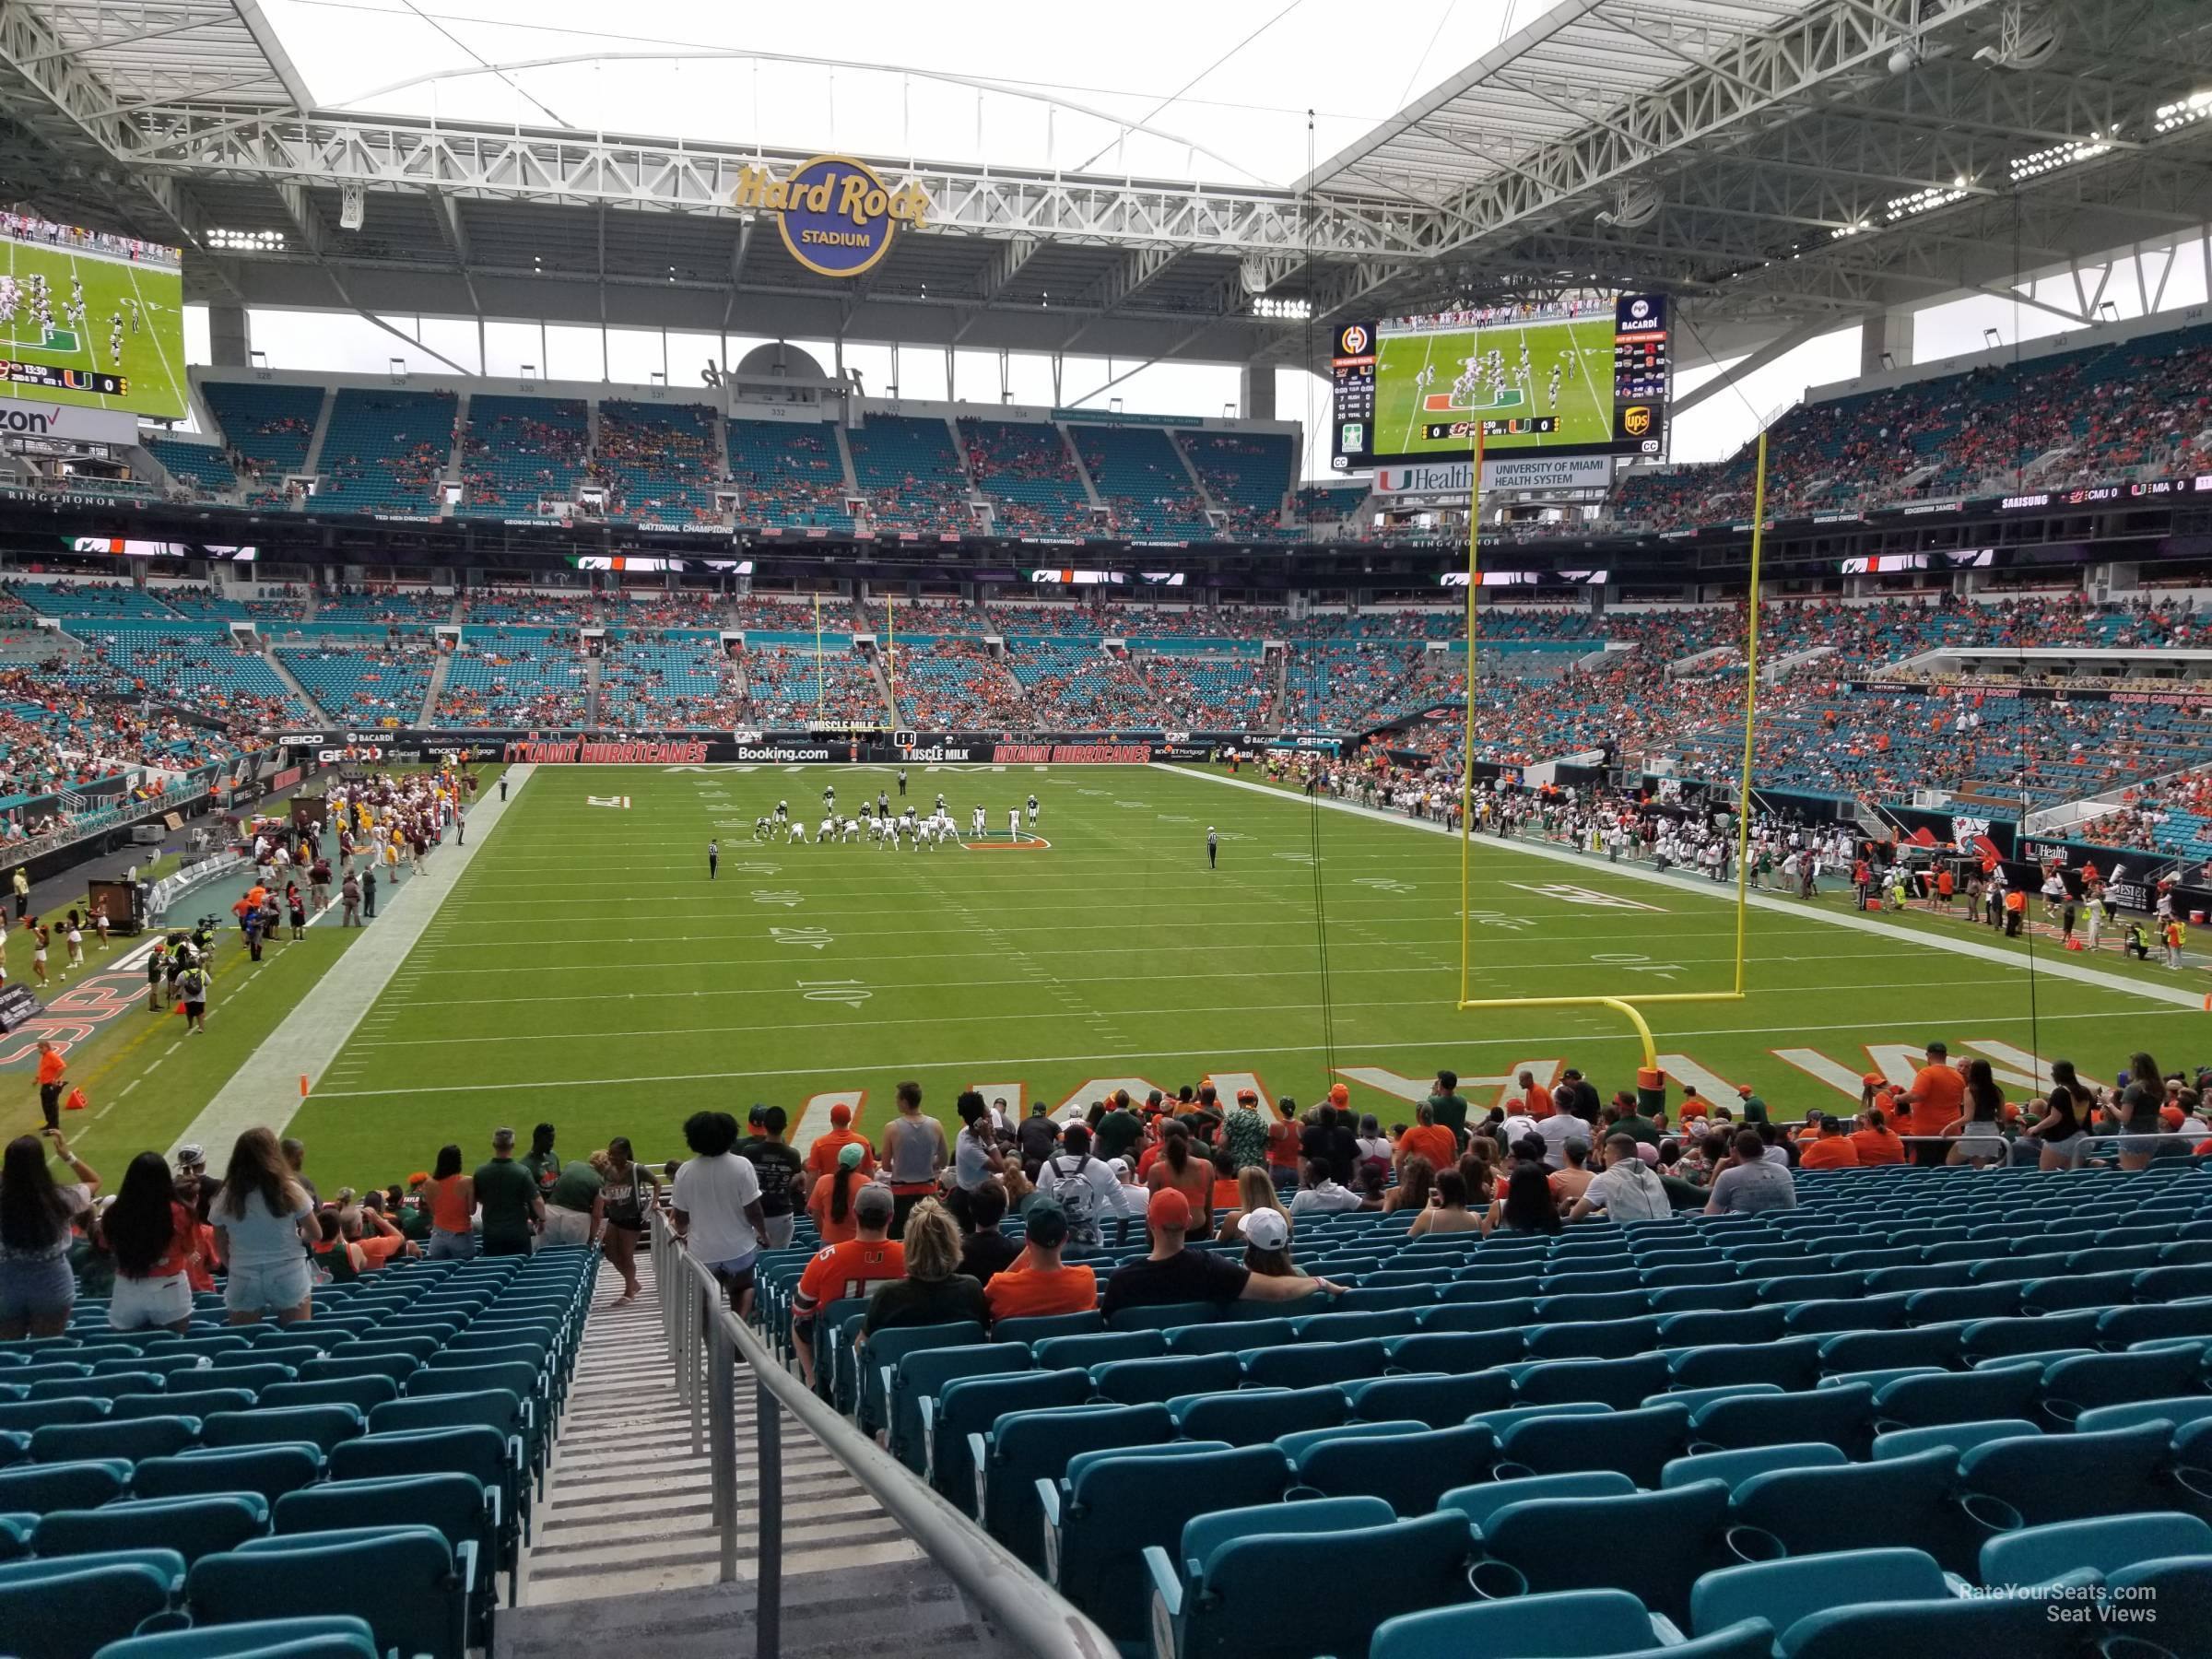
{"x":821,"y":1157}
{"x":1173,"y":1274}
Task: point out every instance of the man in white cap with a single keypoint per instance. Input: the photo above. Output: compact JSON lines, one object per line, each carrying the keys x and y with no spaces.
{"x":1213,"y":847}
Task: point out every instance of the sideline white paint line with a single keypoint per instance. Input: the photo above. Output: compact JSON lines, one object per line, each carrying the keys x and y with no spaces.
{"x":265,"y":1088}
{"x":2174,"y":996}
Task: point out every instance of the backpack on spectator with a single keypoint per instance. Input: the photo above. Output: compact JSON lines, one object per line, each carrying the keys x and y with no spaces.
{"x":1075,"y":1198}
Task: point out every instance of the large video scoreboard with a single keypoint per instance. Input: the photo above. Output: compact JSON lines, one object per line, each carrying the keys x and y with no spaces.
{"x":1590,"y":378}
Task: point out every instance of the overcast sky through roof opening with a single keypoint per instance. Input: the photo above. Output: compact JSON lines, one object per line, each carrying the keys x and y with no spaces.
{"x":1223,"y":88}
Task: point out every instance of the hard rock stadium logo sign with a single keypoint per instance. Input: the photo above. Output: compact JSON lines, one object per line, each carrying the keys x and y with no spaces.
{"x":837,"y":217}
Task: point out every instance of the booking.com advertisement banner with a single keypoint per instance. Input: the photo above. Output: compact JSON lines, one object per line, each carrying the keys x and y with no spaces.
{"x":414,"y":748}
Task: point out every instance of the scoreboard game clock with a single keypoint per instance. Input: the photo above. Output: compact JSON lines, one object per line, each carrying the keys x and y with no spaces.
{"x":1589,"y":377}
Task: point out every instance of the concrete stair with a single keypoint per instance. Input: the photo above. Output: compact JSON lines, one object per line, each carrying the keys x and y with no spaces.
{"x":435,"y":689}
{"x":628,"y":1511}
{"x":276,"y":662}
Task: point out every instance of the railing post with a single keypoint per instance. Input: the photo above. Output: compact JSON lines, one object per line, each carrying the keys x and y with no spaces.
{"x":722,"y":1437}
{"x":768,"y":1590}
{"x":700,"y":1304}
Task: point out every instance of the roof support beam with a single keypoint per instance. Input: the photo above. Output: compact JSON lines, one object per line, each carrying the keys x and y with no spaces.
{"x":1774,"y":351}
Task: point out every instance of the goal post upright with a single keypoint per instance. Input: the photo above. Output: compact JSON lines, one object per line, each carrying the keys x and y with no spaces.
{"x":1628,"y":1007}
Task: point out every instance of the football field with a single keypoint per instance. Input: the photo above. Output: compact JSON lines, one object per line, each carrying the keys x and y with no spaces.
{"x":1405,"y":402}
{"x":152,"y":357}
{"x":585,"y":970}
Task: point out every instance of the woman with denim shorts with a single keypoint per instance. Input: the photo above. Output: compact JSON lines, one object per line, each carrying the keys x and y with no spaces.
{"x":38,"y":1217}
{"x":263,"y":1224}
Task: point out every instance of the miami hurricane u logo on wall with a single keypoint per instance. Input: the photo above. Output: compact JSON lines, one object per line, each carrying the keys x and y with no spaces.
{"x":837,"y":217}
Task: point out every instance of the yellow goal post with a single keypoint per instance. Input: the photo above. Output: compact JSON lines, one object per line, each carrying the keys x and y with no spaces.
{"x":1629,"y":1007}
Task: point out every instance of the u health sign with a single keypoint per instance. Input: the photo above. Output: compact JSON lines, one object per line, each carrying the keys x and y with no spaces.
{"x":837,"y":217}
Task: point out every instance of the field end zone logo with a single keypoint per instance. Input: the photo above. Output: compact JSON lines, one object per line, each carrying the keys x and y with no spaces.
{"x":837,"y":217}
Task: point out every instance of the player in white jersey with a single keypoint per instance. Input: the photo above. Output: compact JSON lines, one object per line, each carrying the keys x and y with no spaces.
{"x":848,"y":830}
{"x":825,"y":830}
{"x":794,"y":832}
{"x":1552,"y":397}
{"x":975,"y":823}
{"x":1014,"y":822}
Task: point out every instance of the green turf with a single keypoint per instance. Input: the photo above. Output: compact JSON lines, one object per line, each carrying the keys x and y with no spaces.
{"x":1585,"y":402}
{"x":588,"y":974}
{"x":153,"y":358}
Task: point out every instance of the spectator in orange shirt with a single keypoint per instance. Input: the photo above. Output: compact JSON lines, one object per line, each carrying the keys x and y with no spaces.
{"x":854,"y":1268}
{"x":1428,"y":1139}
{"x":1833,"y":1150}
{"x":831,"y":1203}
{"x":1037,"y":1282}
{"x":1933,"y":1102}
{"x":1877,"y":1143}
{"x":821,"y":1157}
{"x":1536,"y":1099}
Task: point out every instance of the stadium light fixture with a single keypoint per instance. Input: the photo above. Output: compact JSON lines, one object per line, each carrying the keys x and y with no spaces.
{"x":2049,"y":159}
{"x":245,"y":242}
{"x":1925,"y":201}
{"x":2191,"y":110}
{"x":1282,"y":310}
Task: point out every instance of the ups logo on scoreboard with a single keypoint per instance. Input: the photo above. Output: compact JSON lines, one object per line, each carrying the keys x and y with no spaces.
{"x":1636,"y":421}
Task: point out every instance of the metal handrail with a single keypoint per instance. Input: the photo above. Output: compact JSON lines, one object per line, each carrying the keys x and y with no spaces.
{"x":705,"y":1343}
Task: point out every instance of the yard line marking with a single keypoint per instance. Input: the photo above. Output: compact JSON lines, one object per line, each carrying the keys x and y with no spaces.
{"x":905,"y":1062}
{"x":1071,"y":1004}
{"x":2174,"y":996}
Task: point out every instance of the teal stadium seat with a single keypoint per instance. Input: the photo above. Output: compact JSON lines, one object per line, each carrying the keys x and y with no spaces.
{"x":402,"y":1580}
{"x":191,"y":1526}
{"x":1240,"y":1562}
{"x":334,"y":1636}
{"x":1781,"y":1592}
{"x":66,"y":1608}
{"x":1573,"y":1624}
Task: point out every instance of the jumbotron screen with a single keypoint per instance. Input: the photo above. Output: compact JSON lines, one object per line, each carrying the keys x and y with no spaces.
{"x":1585,"y":379}
{"x":91,"y":319}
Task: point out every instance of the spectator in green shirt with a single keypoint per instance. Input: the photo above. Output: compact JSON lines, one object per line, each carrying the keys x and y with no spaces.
{"x":1244,"y":1132}
{"x":507,"y":1198}
{"x":1448,"y":1107}
{"x":574,"y":1210}
{"x":541,"y":1160}
{"x":1119,"y":1130}
{"x":1630,"y":1123}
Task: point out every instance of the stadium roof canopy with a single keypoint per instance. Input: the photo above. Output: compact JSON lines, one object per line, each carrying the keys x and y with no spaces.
{"x":1783,"y":166}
